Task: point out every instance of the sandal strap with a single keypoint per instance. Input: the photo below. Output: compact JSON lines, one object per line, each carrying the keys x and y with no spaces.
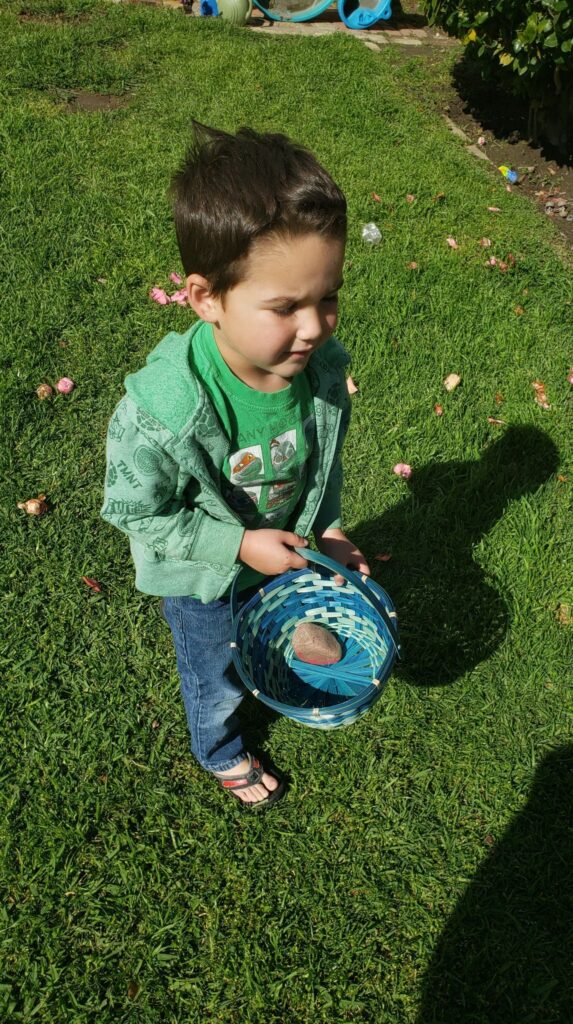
{"x":251,"y":777}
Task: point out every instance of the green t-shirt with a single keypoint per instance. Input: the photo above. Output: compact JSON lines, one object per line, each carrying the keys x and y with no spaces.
{"x":271,"y":439}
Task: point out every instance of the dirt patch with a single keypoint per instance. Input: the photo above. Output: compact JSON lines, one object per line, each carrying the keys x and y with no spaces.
{"x":476,"y":108}
{"x":84,"y":101}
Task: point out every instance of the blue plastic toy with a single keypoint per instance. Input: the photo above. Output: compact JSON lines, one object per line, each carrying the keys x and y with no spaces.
{"x":363,"y":13}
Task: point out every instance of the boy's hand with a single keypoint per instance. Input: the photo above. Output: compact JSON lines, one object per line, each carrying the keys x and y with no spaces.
{"x":270,"y":551}
{"x":335,"y":544}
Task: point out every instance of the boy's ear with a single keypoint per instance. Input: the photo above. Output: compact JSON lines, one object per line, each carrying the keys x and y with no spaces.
{"x":200,"y":298}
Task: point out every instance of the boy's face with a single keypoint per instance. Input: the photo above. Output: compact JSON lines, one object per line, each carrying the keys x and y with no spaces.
{"x":286,"y":307}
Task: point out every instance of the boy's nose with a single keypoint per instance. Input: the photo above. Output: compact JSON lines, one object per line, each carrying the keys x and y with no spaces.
{"x":310,"y":326}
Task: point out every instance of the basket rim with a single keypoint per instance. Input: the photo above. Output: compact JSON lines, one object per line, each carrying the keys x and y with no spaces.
{"x":294,"y":710}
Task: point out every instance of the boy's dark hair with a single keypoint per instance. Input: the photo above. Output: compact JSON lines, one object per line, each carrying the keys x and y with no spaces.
{"x":232,"y":190}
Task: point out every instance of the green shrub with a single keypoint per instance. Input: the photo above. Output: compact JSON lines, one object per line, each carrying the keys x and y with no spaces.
{"x":529,"y":41}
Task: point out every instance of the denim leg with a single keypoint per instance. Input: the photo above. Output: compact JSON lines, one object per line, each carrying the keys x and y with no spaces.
{"x":210,"y":686}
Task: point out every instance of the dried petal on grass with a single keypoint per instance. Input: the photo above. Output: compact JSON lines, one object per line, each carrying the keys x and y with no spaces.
{"x":412,"y":199}
{"x":376,"y":197}
{"x":570,"y":378}
{"x":438,"y":409}
{"x":352,"y":389}
{"x":101,"y":280}
{"x":494,"y":209}
{"x":499,"y":398}
{"x":412,"y":266}
{"x":451,"y":382}
{"x":519,"y":311}
{"x":452,"y":242}
{"x":403,"y":469}
{"x":92,"y":584}
{"x":564,"y":614}
{"x":481,"y":141}
{"x":34,"y":506}
{"x":485,"y":243}
{"x":439,"y":197}
{"x":540,"y":394}
{"x":496,"y":422}
{"x":492,"y":262}
{"x":383,"y":558}
{"x":562,"y":479}
{"x":44,"y":391}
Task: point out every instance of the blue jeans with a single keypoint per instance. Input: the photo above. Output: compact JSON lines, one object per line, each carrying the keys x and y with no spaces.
{"x":210,"y":686}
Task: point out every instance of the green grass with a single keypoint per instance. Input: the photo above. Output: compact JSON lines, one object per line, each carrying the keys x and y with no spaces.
{"x":419,"y":871}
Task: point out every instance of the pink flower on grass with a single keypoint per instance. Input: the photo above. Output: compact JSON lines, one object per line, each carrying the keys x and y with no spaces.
{"x":403,"y":469}
{"x":176,"y":278}
{"x":180,"y":297}
{"x":158,"y":295}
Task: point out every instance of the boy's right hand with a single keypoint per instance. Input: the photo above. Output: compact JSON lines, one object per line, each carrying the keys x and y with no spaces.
{"x":270,"y":551}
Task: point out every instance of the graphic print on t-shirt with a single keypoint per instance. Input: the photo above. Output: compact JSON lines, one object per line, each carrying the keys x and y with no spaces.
{"x":246,"y":464}
{"x":283,"y":450}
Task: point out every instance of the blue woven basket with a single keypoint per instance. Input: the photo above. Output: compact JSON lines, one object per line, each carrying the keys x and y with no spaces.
{"x":360,"y":614}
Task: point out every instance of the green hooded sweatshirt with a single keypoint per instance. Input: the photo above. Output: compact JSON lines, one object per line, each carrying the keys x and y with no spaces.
{"x":169,"y":457}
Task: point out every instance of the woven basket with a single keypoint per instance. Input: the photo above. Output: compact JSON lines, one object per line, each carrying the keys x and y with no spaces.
{"x":359,"y":613}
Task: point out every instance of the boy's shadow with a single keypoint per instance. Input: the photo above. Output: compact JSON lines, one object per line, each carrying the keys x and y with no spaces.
{"x":450,"y":617}
{"x":505,"y":954}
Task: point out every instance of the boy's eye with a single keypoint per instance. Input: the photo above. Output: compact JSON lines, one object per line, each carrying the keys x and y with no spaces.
{"x":289,"y":310}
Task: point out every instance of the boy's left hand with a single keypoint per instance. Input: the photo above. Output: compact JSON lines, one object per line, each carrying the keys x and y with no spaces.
{"x":335,"y":544}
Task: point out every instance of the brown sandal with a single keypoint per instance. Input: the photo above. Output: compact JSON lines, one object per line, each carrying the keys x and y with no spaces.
{"x":252,"y":777}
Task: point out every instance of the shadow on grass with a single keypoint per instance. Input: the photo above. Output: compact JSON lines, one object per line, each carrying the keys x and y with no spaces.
{"x":450,"y":617}
{"x":505,"y":954}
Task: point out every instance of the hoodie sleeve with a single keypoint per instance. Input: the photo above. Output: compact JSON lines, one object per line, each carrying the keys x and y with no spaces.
{"x":141,"y":500}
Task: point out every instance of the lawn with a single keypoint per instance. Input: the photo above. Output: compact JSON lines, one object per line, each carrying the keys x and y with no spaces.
{"x":419,"y":870}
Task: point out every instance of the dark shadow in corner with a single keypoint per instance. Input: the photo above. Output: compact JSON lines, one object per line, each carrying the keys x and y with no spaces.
{"x":450,"y":617}
{"x":498,"y":110}
{"x":505,"y":956}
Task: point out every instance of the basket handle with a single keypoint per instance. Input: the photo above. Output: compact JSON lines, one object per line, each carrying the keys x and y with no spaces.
{"x":355,"y":578}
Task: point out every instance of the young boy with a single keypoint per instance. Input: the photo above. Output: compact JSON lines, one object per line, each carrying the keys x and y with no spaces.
{"x":224,"y":452}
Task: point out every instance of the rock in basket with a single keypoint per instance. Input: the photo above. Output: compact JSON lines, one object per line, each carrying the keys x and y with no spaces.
{"x":359,"y":613}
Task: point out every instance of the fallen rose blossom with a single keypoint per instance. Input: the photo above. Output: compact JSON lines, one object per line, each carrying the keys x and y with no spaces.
{"x":492,"y":262}
{"x":175,"y":278}
{"x":439,"y":410}
{"x":383,"y":558}
{"x":494,"y":209}
{"x":452,"y":242}
{"x":502,"y":266}
{"x":376,"y":197}
{"x":44,"y":391}
{"x":498,"y":423}
{"x":93,"y":584}
{"x":352,"y":389}
{"x":158,"y":295}
{"x":519,"y":311}
{"x":180,"y":297}
{"x":34,"y":506}
{"x":540,"y":395}
{"x":570,"y":378}
{"x":410,"y":198}
{"x":485,"y":243}
{"x":403,"y":469}
{"x":499,"y":398}
{"x":412,"y":265}
{"x":65,"y":385}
